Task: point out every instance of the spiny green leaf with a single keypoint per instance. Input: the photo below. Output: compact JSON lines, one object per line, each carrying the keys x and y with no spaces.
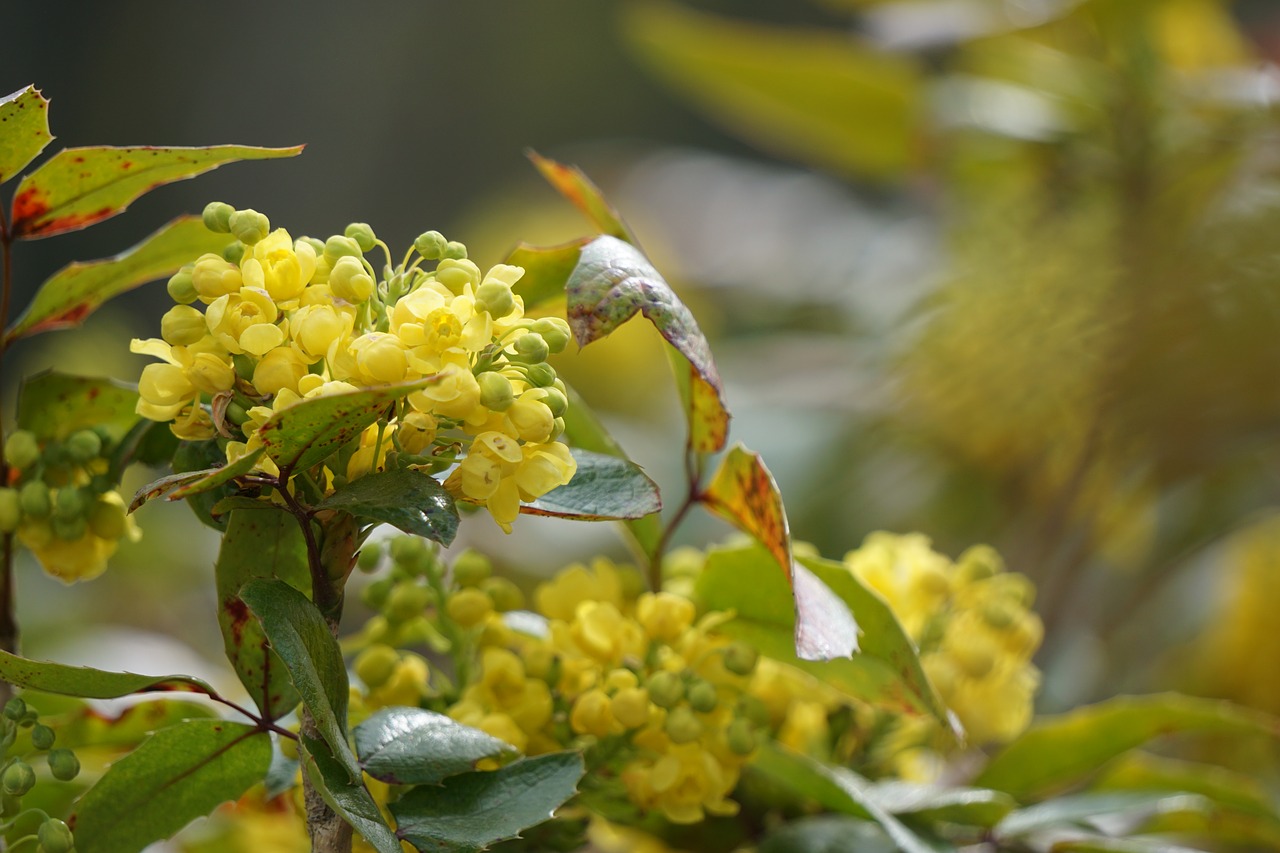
{"x":298,"y":634}
{"x":76,"y":291}
{"x":603,"y":488}
{"x":573,"y":184}
{"x":410,"y":746}
{"x":258,"y":545}
{"x":473,"y":810}
{"x":349,"y":799}
{"x":88,"y":682}
{"x":406,"y":499}
{"x":53,"y":405}
{"x":546,"y":271}
{"x":24,"y":130}
{"x":181,"y":773}
{"x":80,"y":186}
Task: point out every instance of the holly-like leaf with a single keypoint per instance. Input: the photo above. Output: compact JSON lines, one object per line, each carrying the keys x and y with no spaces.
{"x":410,"y":746}
{"x":53,"y":405}
{"x":474,"y":810}
{"x":24,"y":130}
{"x":406,"y":499}
{"x":179,"y":774}
{"x":573,"y":184}
{"x":546,"y":271}
{"x":1065,"y":749}
{"x":80,"y":186}
{"x":350,"y":799}
{"x":310,"y":431}
{"x":298,"y":633}
{"x":603,"y":488}
{"x":76,"y":291}
{"x":87,"y":682}
{"x":258,"y":545}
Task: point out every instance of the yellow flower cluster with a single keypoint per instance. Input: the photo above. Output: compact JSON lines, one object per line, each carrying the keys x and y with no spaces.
{"x":971,"y":621}
{"x":287,"y":319}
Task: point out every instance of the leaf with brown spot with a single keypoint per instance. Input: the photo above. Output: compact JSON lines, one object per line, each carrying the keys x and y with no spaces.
{"x":24,"y":130}
{"x":546,"y":271}
{"x":215,"y":477}
{"x":164,"y":485}
{"x":80,"y":186}
{"x":705,"y":412}
{"x":573,"y":184}
{"x":53,"y":405}
{"x":76,"y":291}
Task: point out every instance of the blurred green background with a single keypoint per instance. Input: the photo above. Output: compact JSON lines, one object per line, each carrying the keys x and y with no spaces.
{"x":996,"y":270}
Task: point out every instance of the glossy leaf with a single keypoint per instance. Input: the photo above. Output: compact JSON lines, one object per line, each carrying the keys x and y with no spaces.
{"x":546,"y":271}
{"x":406,"y":499}
{"x":473,"y":810}
{"x":179,"y":774}
{"x":80,"y":186}
{"x":410,"y":746}
{"x":1066,"y":749}
{"x":54,"y":405}
{"x":835,"y":788}
{"x":258,"y":545}
{"x":298,"y":634}
{"x":349,"y":799}
{"x":312,"y":430}
{"x":823,"y":97}
{"x":87,"y":682}
{"x":573,"y":184}
{"x":76,"y":290}
{"x":941,"y":803}
{"x":1070,"y":811}
{"x":827,"y":834}
{"x":24,"y":130}
{"x":603,"y":488}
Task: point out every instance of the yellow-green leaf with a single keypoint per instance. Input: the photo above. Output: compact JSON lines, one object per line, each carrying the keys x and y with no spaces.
{"x":24,"y":130}
{"x":573,"y":184}
{"x":53,"y":405}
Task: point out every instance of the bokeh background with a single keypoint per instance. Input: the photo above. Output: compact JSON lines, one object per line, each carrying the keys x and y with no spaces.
{"x":1000,"y":271}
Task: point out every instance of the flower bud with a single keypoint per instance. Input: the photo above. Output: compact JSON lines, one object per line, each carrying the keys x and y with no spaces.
{"x":17,"y":779}
{"x":375,"y":595}
{"x":666,"y":689}
{"x":362,"y":234}
{"x":407,"y":599}
{"x":55,"y":837}
{"x":496,"y":393}
{"x":469,"y":607}
{"x":740,"y":737}
{"x":10,"y":510}
{"x":553,"y":399}
{"x":183,"y":325}
{"x":370,"y":557}
{"x":42,"y":737}
{"x":740,"y":659}
{"x":348,"y":280}
{"x":412,"y":555}
{"x":430,"y":244}
{"x":63,"y":764}
{"x":506,"y":596}
{"x":456,"y":274}
{"x":234,"y":253}
{"x":217,"y":217}
{"x":630,"y":707}
{"x":471,"y":568}
{"x":180,"y":288}
{"x":340,"y":247}
{"x":494,"y":297}
{"x":683,"y":726}
{"x":70,"y":529}
{"x":15,"y":708}
{"x":376,"y":664}
{"x":21,"y":449}
{"x":85,"y":445}
{"x":531,"y":349}
{"x":69,"y":503}
{"x":702,"y":696}
{"x":554,"y":331}
{"x":35,"y":500}
{"x":592,"y":714}
{"x":454,"y":251}
{"x":214,"y":276}
{"x":249,"y":226}
{"x":107,"y":519}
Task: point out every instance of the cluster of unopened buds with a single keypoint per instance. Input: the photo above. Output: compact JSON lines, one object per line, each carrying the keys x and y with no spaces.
{"x":61,"y":502}
{"x":275,"y":320}
{"x":21,"y":731}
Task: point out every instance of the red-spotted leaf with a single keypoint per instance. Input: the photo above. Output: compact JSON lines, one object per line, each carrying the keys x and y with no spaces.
{"x":604,"y":488}
{"x":76,"y":291}
{"x":80,"y":186}
{"x":573,"y":184}
{"x":704,"y":409}
{"x":24,"y":130}
{"x":546,"y":270}
{"x":164,"y":485}
{"x":53,"y":405}
{"x":185,"y":484}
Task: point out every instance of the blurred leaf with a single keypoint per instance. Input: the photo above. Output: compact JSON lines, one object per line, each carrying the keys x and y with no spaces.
{"x":1139,"y":771}
{"x":824,"y":98}
{"x":88,"y":727}
{"x":25,"y":119}
{"x":179,"y":774}
{"x":940,"y":803}
{"x":571,"y":183}
{"x":474,"y":810}
{"x":53,"y":405}
{"x":827,"y":834}
{"x":147,"y":443}
{"x":1079,"y":809}
{"x":1102,"y":844}
{"x":298,"y":634}
{"x":546,"y":271}
{"x":406,"y":499}
{"x":349,"y":799}
{"x":411,"y":746}
{"x":80,"y":186}
{"x":1065,"y":749}
{"x":258,"y":545}
{"x":87,"y":682}
{"x":76,"y":291}
{"x":604,"y":488}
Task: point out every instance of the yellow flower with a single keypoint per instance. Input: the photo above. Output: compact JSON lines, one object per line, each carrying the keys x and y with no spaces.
{"x":279,"y":266}
{"x":314,"y":328}
{"x":559,"y":598}
{"x":454,"y":393}
{"x":665,"y":617}
{"x":379,"y":358}
{"x":685,"y":784}
{"x":592,"y":714}
{"x":214,"y":276}
{"x":245,"y":321}
{"x":280,"y":369}
{"x":408,"y":685}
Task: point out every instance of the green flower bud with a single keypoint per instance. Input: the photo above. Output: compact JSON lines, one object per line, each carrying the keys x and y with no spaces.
{"x":557,"y":429}
{"x":454,"y":251}
{"x":63,"y":764}
{"x":740,"y":737}
{"x":85,"y":445}
{"x":541,"y":375}
{"x":376,"y":664}
{"x":666,"y":689}
{"x":471,"y":568}
{"x":740,"y":659}
{"x":70,"y":529}
{"x":362,"y":234}
{"x":249,"y":226}
{"x":21,"y":449}
{"x":407,"y":599}
{"x":683,"y":726}
{"x":531,"y":349}
{"x":217,"y":217}
{"x":183,"y":325}
{"x":10,"y":510}
{"x":495,"y":298}
{"x":370,"y":557}
{"x":469,"y":607}
{"x":233,"y":253}
{"x":180,"y":288}
{"x":55,"y":837}
{"x":35,"y":500}
{"x":15,"y":708}
{"x":30,"y":718}
{"x":430,"y":245}
{"x":69,"y":503}
{"x":752,"y":709}
{"x":702,"y":696}
{"x":554,"y":331}
{"x":42,"y":737}
{"x":375,"y":594}
{"x":348,"y":280}
{"x":456,"y":274}
{"x":17,"y":779}
{"x":554,"y":400}
{"x":413,"y":555}
{"x":496,"y":393}
{"x":505,"y":594}
{"x":107,"y":520}
{"x":340,"y":247}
